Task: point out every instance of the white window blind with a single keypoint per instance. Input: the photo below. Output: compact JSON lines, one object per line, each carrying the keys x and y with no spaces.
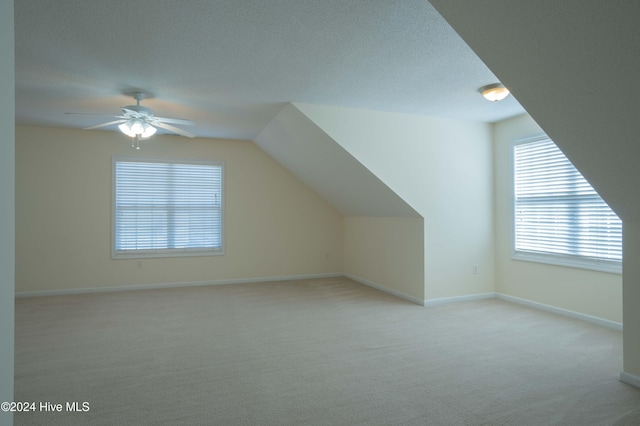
{"x":167,"y":208}
{"x":558,"y":214}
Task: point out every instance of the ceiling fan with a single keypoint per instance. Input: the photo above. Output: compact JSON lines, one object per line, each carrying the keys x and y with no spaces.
{"x":139,"y":123}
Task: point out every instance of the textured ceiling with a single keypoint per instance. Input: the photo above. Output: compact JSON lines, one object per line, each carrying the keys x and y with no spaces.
{"x":584,"y":53}
{"x":231,"y":66}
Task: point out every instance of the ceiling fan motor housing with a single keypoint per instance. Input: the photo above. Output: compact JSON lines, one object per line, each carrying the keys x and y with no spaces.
{"x":140,"y":110}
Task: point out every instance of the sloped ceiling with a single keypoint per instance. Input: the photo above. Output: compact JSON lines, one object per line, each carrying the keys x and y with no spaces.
{"x":231,"y":66}
{"x":309,"y":153}
{"x":573,"y":65}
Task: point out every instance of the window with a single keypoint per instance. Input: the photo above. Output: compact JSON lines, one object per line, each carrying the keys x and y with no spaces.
{"x":166,"y":208}
{"x":558,"y":216}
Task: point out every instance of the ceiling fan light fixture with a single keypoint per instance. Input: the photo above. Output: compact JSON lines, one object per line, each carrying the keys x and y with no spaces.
{"x":126,"y":129}
{"x":137,"y":126}
{"x":494,"y":92}
{"x":148,"y":131}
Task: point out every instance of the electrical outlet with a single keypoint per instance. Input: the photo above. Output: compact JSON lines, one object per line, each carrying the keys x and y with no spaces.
{"x":139,"y":264}
{"x":475,"y":269}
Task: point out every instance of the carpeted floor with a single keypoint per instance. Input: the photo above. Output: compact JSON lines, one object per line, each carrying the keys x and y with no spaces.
{"x":314,"y":352}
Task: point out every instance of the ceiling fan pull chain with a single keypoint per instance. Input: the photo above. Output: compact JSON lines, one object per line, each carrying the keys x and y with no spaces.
{"x":135,"y":142}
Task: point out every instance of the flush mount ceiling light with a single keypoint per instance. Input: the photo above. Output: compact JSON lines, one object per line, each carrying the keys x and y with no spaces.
{"x":494,"y":92}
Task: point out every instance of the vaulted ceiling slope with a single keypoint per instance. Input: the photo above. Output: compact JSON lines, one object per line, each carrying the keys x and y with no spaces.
{"x":573,"y":64}
{"x":231,"y":66}
{"x":321,"y":163}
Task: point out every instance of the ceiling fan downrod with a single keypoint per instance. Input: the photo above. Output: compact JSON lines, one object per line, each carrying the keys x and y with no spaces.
{"x":138,"y":96}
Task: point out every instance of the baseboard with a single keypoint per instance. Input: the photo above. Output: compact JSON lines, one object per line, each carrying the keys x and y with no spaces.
{"x":456,"y":299}
{"x":585,"y":317}
{"x":430,"y":302}
{"x":70,"y":291}
{"x":385,"y":289}
{"x":630,"y":379}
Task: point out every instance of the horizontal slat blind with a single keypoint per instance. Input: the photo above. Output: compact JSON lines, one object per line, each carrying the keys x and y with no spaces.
{"x":557,"y":211}
{"x":163,"y":207}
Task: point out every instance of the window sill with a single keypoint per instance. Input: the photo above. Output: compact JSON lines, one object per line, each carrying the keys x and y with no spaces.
{"x":166,"y":254}
{"x":570,"y":262}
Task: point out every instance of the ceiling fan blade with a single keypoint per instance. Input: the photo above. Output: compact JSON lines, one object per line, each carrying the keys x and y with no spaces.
{"x":92,"y":114}
{"x":174,"y":129}
{"x":175,"y":121}
{"x":104,"y":124}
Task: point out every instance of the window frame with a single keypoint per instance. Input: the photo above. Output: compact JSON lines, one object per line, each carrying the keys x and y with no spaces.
{"x":580,"y":262}
{"x":166,"y":253}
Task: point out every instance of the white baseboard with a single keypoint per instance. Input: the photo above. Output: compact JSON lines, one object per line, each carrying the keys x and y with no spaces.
{"x":630,"y":379}
{"x":456,"y":299}
{"x":385,"y":289}
{"x":70,"y":291}
{"x":585,"y":317}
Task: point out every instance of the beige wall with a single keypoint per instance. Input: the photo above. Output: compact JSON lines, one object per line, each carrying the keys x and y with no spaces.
{"x":274,"y":225}
{"x":387,"y":251}
{"x":584,"y":291}
{"x":7,"y":167}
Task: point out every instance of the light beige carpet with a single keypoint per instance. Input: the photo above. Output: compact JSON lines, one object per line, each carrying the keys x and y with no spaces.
{"x":317,"y":352}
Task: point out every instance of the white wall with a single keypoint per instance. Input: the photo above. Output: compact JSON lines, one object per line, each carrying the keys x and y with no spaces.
{"x":274,"y":225}
{"x":588,"y":292}
{"x":387,"y":251}
{"x":443,"y":169}
{"x":7,"y":167}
